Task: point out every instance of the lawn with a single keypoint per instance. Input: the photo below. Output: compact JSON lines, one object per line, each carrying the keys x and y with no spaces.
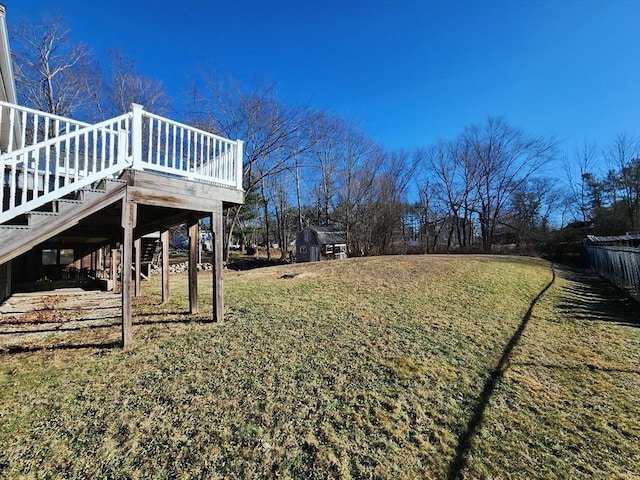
{"x":388,"y":367}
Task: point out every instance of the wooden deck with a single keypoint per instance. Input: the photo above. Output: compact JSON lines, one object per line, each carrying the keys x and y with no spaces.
{"x":105,"y":186}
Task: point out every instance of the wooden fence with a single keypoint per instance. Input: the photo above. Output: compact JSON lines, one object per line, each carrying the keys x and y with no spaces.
{"x":619,"y":265}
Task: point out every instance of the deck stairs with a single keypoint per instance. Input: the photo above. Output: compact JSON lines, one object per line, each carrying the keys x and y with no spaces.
{"x":29,"y":229}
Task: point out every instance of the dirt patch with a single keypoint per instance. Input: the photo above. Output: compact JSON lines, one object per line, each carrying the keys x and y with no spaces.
{"x":29,"y":317}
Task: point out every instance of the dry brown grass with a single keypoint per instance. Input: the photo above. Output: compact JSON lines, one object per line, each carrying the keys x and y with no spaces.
{"x":390,"y":367}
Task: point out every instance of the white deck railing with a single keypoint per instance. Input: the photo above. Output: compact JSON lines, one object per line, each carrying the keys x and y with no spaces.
{"x":45,"y":157}
{"x":179,"y":149}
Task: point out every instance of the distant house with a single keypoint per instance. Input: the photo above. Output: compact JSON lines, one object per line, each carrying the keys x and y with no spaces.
{"x":315,"y":243}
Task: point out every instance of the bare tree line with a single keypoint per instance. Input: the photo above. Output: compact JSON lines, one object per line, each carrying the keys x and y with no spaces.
{"x":305,"y":166}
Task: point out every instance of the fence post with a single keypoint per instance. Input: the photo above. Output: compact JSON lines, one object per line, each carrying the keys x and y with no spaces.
{"x":136,"y":136}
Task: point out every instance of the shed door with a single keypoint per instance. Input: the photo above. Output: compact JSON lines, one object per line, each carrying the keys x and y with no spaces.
{"x":315,"y":254}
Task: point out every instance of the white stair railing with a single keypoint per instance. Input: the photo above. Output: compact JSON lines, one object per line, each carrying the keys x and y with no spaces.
{"x":59,"y":165}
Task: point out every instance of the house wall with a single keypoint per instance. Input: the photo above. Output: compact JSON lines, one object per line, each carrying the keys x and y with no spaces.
{"x":5,"y":281}
{"x":30,"y":268}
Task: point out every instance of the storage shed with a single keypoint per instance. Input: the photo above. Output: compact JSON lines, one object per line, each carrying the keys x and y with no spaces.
{"x":316,"y":243}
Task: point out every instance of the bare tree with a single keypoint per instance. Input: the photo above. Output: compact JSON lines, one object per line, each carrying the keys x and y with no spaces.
{"x":51,"y":72}
{"x":577,"y":180}
{"x":124,"y":85}
{"x":390,"y":200}
{"x":272,"y":131}
{"x":531,"y":209}
{"x":326,"y":136}
{"x":623,"y":159}
{"x":453,"y":182}
{"x":360,"y":164}
{"x":503,"y":158}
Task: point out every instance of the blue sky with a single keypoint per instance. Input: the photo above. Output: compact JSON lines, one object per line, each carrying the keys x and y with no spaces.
{"x":410,"y":71}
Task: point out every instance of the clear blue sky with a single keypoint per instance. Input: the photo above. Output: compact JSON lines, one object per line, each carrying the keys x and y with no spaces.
{"x":410,"y":71}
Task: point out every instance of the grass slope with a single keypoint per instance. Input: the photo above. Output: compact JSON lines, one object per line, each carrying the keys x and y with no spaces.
{"x":389,"y":367}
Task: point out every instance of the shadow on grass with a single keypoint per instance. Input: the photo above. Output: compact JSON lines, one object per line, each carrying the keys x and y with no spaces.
{"x":459,"y":461}
{"x":15,"y":349}
{"x":65,"y":329}
{"x":139,"y":320}
{"x":56,"y":309}
{"x":588,"y":367}
{"x":590,"y":298}
{"x":586,"y":298}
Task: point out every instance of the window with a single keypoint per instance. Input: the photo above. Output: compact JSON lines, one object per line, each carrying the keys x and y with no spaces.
{"x":66,"y":256}
{"x":55,"y":256}
{"x":50,"y":256}
{"x":303,"y":249}
{"x":328,"y":249}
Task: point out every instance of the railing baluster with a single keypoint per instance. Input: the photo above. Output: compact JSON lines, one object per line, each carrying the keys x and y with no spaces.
{"x":181,"y":150}
{"x":23,"y":136}
{"x":92,"y":158}
{"x":12,"y":125}
{"x":86,"y":144}
{"x":166,"y":144}
{"x":34,"y":140}
{"x":225,"y":162}
{"x":216,"y":158}
{"x":103,"y":148}
{"x":158,"y":139}
{"x":47,"y":165}
{"x":64,"y":177}
{"x":76,"y":165}
{"x":201,"y":161}
{"x":209,"y":157}
{"x":12,"y":186}
{"x":56,"y":160}
{"x":149,"y":141}
{"x":175,"y":142}
{"x":111,"y":138}
{"x":189,"y":159}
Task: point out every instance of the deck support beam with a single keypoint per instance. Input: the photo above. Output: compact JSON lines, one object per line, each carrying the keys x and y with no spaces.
{"x":193,"y":264}
{"x":129,"y":220}
{"x":164,"y":241}
{"x":217,"y":245}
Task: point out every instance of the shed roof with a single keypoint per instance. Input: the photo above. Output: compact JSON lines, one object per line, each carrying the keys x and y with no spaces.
{"x":613,"y":238}
{"x":329,"y":235}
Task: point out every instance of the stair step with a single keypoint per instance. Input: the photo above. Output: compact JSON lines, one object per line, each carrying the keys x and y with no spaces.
{"x":38,"y":213}
{"x":18,"y":222}
{"x":37,"y":218}
{"x":47,"y":207}
{"x":94,"y":189}
{"x":14,"y":227}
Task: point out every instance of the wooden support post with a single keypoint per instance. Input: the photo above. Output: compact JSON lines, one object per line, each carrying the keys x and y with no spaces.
{"x":100,"y":263}
{"x":129,"y":210}
{"x":138,"y":266}
{"x":164,"y":240}
{"x":218,"y":280}
{"x":193,"y":265}
{"x":113,"y":267}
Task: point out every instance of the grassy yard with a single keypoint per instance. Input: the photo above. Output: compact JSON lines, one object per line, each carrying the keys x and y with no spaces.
{"x":390,"y":367}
